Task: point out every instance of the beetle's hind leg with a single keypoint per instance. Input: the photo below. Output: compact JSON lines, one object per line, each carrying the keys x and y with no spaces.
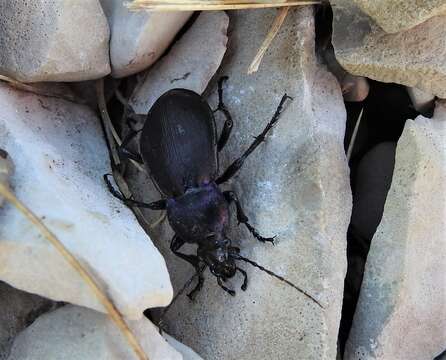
{"x":231,"y":196}
{"x":125,"y":152}
{"x":227,"y":127}
{"x":237,"y":164}
{"x":156,"y":205}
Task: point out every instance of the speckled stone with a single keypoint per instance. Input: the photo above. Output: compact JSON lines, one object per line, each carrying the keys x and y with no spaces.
{"x":414,"y":57}
{"x":401,"y":312}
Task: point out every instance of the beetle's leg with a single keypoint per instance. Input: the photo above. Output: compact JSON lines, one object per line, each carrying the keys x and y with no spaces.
{"x":237,"y":164}
{"x":229,"y":291}
{"x":156,"y":205}
{"x":175,"y":245}
{"x":245,"y":278}
{"x":231,"y":196}
{"x":227,"y":127}
{"x":126,"y":153}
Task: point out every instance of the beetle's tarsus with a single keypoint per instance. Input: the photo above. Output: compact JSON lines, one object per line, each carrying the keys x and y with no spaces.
{"x":231,"y":196}
{"x":227,"y":127}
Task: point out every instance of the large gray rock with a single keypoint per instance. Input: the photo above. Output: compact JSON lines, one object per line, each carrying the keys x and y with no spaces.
{"x":18,"y":309}
{"x":53,"y":40}
{"x":76,"y":333}
{"x":190,"y":64}
{"x":139,"y":38}
{"x":60,"y":157}
{"x":414,"y":57}
{"x":295,"y":186}
{"x":399,"y":15}
{"x":401,"y":313}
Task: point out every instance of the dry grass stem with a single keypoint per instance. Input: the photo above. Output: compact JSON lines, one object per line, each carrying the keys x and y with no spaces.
{"x":110,"y":133}
{"x":355,"y":133}
{"x":277,"y":23}
{"x":196,"y":5}
{"x":108,"y":305}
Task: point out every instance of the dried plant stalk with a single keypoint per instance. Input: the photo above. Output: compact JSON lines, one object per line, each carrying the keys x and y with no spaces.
{"x":197,"y":5}
{"x":353,"y":138}
{"x":108,"y":305}
{"x":277,"y":23}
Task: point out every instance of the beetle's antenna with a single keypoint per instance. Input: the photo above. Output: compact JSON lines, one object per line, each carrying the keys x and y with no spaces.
{"x":269,"y":272}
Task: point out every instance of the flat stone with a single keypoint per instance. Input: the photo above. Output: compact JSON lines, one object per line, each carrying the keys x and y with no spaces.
{"x":413,"y":57}
{"x":60,"y":157}
{"x":74,"y":332}
{"x":190,"y":64}
{"x":53,"y":40}
{"x":295,"y":186}
{"x":18,"y":309}
{"x":401,"y":313}
{"x":139,"y":38}
{"x":399,"y":15}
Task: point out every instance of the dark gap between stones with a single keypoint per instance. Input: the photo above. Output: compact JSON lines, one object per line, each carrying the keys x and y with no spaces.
{"x":385,"y":111}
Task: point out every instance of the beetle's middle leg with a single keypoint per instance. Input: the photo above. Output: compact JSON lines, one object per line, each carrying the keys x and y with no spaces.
{"x":231,"y":196}
{"x":227,"y":127}
{"x":175,"y":245}
{"x":237,"y":164}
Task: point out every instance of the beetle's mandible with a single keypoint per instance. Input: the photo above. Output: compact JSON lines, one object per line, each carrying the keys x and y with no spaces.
{"x":179,"y":148}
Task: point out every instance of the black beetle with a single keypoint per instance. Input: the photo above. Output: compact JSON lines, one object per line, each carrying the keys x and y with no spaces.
{"x":179,"y":148}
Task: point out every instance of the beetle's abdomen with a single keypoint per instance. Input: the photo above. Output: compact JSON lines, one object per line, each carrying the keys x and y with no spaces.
{"x":178,"y":142}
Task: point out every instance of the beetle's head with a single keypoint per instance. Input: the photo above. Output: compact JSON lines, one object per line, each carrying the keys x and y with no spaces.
{"x":218,"y":258}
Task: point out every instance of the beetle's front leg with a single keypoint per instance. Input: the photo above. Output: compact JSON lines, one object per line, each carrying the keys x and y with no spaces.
{"x":156,"y":205}
{"x":175,"y":245}
{"x":227,"y":127}
{"x":231,"y":196}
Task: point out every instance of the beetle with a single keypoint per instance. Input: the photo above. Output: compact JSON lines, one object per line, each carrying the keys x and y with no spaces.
{"x":179,"y":147}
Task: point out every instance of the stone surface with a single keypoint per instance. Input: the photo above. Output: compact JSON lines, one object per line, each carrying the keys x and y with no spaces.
{"x":414,"y":57}
{"x":190,"y":64}
{"x":53,"y":40}
{"x":72,"y":333}
{"x":188,"y":353}
{"x":139,"y":38}
{"x":60,"y":156}
{"x":295,"y":186}
{"x":18,"y":309}
{"x":399,"y":15}
{"x":401,"y":312}
{"x":422,"y":102}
